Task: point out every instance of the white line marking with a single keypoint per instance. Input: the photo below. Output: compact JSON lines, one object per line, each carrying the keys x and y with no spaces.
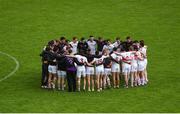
{"x":14,"y":70}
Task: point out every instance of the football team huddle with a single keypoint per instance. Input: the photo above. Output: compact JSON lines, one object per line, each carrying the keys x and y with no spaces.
{"x":93,"y":64}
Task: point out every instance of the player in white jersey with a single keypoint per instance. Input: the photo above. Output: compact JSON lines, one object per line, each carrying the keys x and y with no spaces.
{"x":115,"y":68}
{"x":81,"y":71}
{"x":141,"y":67}
{"x":99,"y":70}
{"x":74,"y":44}
{"x":143,"y":50}
{"x":117,"y":42}
{"x":92,"y":45}
{"x":126,"y":66}
{"x":134,"y":66}
{"x":108,"y":46}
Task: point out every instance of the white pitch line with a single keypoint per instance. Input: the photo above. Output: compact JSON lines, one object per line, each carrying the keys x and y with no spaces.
{"x":14,"y":70}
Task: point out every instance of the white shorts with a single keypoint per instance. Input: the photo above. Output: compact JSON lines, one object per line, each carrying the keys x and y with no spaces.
{"x":134,"y":67}
{"x":107,"y":71}
{"x":52,"y":69}
{"x":61,"y":73}
{"x":115,"y":67}
{"x":126,"y":68}
{"x":90,"y":70}
{"x":99,"y":69}
{"x":141,"y":66}
{"x":81,"y":71}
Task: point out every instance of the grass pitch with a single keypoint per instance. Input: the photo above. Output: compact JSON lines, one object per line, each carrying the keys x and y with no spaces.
{"x":27,"y":25}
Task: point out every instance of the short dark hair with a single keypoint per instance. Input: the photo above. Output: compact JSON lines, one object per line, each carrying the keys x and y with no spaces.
{"x":115,"y":49}
{"x":135,"y":41}
{"x":82,"y":38}
{"x":74,"y":38}
{"x":62,"y":38}
{"x":99,"y":38}
{"x":50,"y":43}
{"x":97,"y":52}
{"x":48,"y":48}
{"x":55,"y":48}
{"x":142,"y":43}
{"x":69,"y":51}
{"x":117,"y":38}
{"x":128,"y":37}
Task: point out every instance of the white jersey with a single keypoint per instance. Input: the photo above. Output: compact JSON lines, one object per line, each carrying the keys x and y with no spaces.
{"x":74,"y":46}
{"x":127,"y":56}
{"x":81,"y":58}
{"x":134,"y":59}
{"x":115,"y":66}
{"x":109,"y":47}
{"x":116,"y":57}
{"x":126,"y":68}
{"x":140,"y":61}
{"x":116,"y":44}
{"x":81,"y":71}
{"x":92,"y":46}
{"x":143,"y":51}
{"x":139,"y":56}
{"x":99,"y":60}
{"x":100,"y":68}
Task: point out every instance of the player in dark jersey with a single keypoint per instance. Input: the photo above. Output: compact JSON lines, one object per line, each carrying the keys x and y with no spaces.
{"x":44,"y":79}
{"x":107,"y":71}
{"x":52,"y":69}
{"x":61,"y":72}
{"x":100,"y":44}
{"x":82,"y":45}
{"x":71,"y":72}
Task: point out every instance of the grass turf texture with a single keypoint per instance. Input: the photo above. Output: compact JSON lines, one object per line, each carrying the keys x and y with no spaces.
{"x":27,"y":25}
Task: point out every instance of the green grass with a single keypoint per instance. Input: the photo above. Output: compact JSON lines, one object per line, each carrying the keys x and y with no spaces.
{"x":27,"y":25}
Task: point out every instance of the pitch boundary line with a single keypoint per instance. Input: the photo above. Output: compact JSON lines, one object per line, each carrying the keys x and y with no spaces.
{"x":14,"y":70}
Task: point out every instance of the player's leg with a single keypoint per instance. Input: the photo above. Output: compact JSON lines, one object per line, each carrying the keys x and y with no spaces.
{"x":84,"y":83}
{"x":92,"y":82}
{"x":69,"y":80}
{"x":145,"y":71}
{"x":88,"y":82}
{"x":50,"y":76}
{"x":132,"y":78}
{"x":126,"y":78}
{"x":78,"y":75}
{"x":100,"y":81}
{"x":97,"y":81}
{"x":108,"y":81}
{"x":62,"y":79}
{"x":54,"y":72}
{"x":135,"y":79}
{"x":104,"y":80}
{"x":59,"y":80}
{"x":114,"y":79}
{"x":117,"y":79}
{"x":84,"y":78}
